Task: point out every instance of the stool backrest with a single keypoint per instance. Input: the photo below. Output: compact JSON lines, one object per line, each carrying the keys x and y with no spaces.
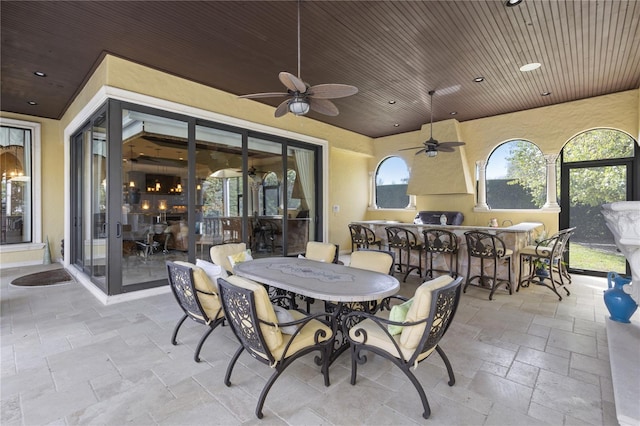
{"x":440,"y":241}
{"x":398,"y":237}
{"x":482,"y":244}
{"x":361,"y":235}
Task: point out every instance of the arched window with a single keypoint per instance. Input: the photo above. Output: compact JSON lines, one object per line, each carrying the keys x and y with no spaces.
{"x":270,"y":194}
{"x":392,"y":177}
{"x":516,"y":176}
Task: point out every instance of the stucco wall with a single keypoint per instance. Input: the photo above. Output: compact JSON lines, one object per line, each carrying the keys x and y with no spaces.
{"x":52,"y":181}
{"x":548,"y":127}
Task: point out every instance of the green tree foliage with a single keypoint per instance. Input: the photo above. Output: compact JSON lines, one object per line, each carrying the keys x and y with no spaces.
{"x":591,"y":186}
{"x":526,"y":167}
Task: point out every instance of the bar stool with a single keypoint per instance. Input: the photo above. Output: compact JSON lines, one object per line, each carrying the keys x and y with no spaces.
{"x":401,"y":240}
{"x":440,"y":242}
{"x":363,"y":237}
{"x":487,"y":247}
{"x":548,"y":253}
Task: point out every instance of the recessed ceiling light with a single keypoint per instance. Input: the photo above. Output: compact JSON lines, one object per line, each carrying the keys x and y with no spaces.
{"x":32,"y":102}
{"x":545,"y":93}
{"x":453,"y":112}
{"x":530,"y":67}
{"x":392,"y":102}
{"x":396,"y":125}
{"x":511,"y":3}
{"x":478,"y":79}
{"x":39,"y":74}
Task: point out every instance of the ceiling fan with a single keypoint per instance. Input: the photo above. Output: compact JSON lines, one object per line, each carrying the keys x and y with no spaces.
{"x":252,"y":171}
{"x":431,"y":146}
{"x":301,"y":96}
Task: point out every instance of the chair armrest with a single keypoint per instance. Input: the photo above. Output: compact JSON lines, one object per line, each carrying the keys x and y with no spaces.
{"x":385,"y":303}
{"x":383,"y":323}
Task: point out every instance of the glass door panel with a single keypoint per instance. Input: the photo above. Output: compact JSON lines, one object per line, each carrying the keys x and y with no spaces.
{"x":155,"y":216}
{"x":218,"y":189}
{"x":98,"y":196}
{"x":592,"y":247}
{"x":301,"y":198}
{"x":265,"y":205}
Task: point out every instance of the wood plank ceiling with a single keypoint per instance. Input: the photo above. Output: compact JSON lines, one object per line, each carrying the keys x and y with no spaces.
{"x":391,"y":50}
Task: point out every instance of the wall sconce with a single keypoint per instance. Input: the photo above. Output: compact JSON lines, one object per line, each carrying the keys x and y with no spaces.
{"x":145,"y":205}
{"x":162,"y":206}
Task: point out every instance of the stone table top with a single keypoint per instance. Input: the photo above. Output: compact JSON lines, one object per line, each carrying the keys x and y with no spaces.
{"x":319,"y":280}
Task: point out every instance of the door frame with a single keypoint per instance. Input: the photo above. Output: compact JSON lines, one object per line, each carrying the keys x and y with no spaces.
{"x":633,"y":188}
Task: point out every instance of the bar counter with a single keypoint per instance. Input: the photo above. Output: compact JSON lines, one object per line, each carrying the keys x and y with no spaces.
{"x":515,"y":237}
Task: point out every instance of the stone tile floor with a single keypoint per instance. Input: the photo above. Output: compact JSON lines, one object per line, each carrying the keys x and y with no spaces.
{"x":523,"y":359}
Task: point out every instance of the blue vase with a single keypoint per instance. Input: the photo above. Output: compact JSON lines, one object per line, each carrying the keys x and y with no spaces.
{"x":620,"y":304}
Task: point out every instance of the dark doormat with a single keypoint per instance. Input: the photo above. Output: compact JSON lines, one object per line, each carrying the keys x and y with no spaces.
{"x":55,"y":276}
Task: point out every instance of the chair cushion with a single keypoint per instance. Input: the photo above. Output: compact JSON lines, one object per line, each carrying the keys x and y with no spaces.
{"x":321,"y":252}
{"x":302,"y":340}
{"x":420,"y":309}
{"x":377,"y":337}
{"x":264,"y":310}
{"x":212,"y":270}
{"x":210,"y":302}
{"x":219,"y":254}
{"x":376,"y":261}
{"x":284,"y":315}
{"x":240,"y":257}
{"x":398,"y":313}
{"x":542,"y":251}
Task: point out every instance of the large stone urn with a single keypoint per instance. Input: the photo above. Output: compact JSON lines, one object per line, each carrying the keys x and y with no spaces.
{"x":623,"y":220}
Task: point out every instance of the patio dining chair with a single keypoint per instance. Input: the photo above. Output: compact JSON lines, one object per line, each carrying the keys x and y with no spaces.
{"x":372,"y":260}
{"x":410,"y":340}
{"x":220,"y":254}
{"x":320,"y":252}
{"x":253,"y":320}
{"x":197,"y":297}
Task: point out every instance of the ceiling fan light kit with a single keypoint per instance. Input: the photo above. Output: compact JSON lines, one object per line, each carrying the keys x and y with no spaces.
{"x":299,"y":106}
{"x":302,"y":96}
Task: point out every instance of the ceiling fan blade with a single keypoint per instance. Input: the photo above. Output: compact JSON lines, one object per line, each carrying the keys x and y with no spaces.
{"x":444,"y":148}
{"x":421,"y":151}
{"x":292,"y":82}
{"x":409,"y":149}
{"x":282,"y":109}
{"x":323,"y":106}
{"x":331,"y":91}
{"x":451,"y":144}
{"x":264,"y":95}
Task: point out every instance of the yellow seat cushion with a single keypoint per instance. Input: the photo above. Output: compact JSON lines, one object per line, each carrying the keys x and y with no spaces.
{"x":377,"y":337}
{"x":220,"y":254}
{"x":303,"y":339}
{"x":419,"y":310}
{"x":376,"y":261}
{"x":210,"y":302}
{"x":321,"y":252}
{"x":264,"y":310}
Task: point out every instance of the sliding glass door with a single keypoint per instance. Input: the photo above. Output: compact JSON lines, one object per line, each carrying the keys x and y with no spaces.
{"x":150,"y":186}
